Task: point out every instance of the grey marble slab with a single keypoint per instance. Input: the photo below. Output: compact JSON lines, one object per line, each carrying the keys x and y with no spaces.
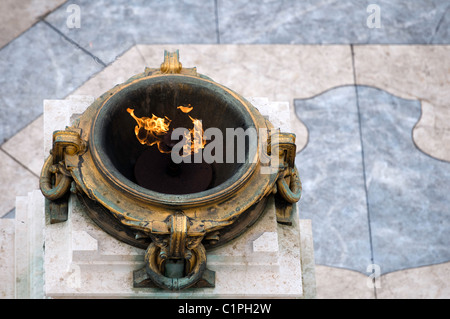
{"x":11,"y":214}
{"x":38,"y":65}
{"x":408,"y":191}
{"x":404,"y":222}
{"x":442,"y":30}
{"x":109,"y":28}
{"x":332,"y":21}
{"x":331,"y":170}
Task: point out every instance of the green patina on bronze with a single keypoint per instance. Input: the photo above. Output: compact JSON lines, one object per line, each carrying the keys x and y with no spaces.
{"x":94,"y":158}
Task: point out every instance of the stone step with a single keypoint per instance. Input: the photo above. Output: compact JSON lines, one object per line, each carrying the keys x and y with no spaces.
{"x":29,"y":249}
{"x":7,"y":229}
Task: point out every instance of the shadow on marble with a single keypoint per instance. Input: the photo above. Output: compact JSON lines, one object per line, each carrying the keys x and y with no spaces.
{"x":372,"y":197}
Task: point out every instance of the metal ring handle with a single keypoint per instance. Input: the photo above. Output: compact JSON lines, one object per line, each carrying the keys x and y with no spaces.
{"x":45,"y":182}
{"x":291,"y":193}
{"x":187,"y":281}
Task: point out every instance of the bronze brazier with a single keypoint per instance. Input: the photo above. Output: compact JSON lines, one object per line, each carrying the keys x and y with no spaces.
{"x":97,"y":157}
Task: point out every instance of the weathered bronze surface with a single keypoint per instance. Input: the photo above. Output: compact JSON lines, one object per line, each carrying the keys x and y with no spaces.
{"x":94,"y":159}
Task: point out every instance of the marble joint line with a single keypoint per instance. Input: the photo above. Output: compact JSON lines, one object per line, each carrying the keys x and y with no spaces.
{"x":372,"y":195}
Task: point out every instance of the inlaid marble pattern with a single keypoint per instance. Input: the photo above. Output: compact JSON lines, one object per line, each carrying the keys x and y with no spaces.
{"x":38,"y":65}
{"x":373,"y":196}
{"x":18,"y":16}
{"x":409,"y":206}
{"x":279,"y":73}
{"x":332,"y":21}
{"x":331,"y":170}
{"x":413,"y":72}
{"x":125,"y":23}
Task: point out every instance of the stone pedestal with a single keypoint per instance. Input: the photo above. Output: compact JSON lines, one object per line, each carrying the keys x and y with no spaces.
{"x":80,"y":260}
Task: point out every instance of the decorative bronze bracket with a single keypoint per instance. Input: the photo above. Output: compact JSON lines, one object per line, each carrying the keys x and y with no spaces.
{"x":175,"y":246}
{"x":172,"y":65}
{"x":288,"y":185}
{"x":55,"y":180}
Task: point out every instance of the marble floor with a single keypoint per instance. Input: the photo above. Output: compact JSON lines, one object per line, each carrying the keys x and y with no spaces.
{"x":369,"y":107}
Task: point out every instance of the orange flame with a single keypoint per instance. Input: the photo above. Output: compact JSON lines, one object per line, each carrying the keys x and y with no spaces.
{"x":185,"y":109}
{"x":151,"y":131}
{"x":194,"y":139}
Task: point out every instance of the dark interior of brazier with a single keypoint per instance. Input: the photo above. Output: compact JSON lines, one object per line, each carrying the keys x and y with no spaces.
{"x":146,"y":165}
